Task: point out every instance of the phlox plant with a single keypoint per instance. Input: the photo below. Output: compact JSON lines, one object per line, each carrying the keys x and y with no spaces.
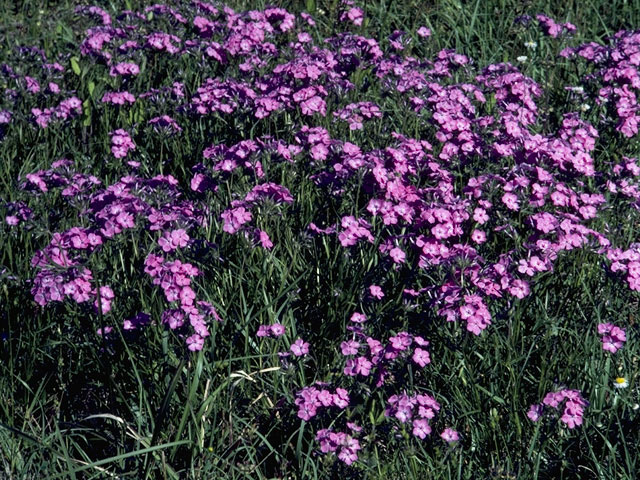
{"x":320,"y":240}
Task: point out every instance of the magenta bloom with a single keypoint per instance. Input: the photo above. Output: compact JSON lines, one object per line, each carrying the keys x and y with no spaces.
{"x":511,"y":201}
{"x":350,"y":347}
{"x":273,"y":331}
{"x":118,"y":98}
{"x":124,"y":69}
{"x":421,"y":357}
{"x":358,"y":317}
{"x":356,"y":15}
{"x":421,"y":428}
{"x":277,"y":329}
{"x":535,"y":412}
{"x":106,"y":296}
{"x":235,"y":218}
{"x":173,"y":240}
{"x":195,"y":342}
{"x":397,"y":255}
{"x":572,"y":418}
{"x":341,"y":398}
{"x":265,"y":241}
{"x":300,"y":348}
{"x":376,"y":291}
{"x":121,"y":143}
{"x":449,"y":435}
{"x":362,"y":366}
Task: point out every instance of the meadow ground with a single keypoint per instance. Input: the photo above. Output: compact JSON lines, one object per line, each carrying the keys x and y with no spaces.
{"x":319,"y":239}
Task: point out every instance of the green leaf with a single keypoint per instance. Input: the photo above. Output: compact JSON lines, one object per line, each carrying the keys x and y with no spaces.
{"x":75,"y":66}
{"x":92,"y":87}
{"x":86,"y":108}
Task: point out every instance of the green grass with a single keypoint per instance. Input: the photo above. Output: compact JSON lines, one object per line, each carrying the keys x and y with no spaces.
{"x":73,"y":405}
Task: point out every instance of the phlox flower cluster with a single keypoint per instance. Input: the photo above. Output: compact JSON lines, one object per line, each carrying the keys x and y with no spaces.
{"x":365,"y":354}
{"x":165,"y":123}
{"x":174,"y":239}
{"x":622,"y":183}
{"x":124,"y":69}
{"x":273,"y":331}
{"x":613,"y":338}
{"x":62,"y":174}
{"x":550,"y":27}
{"x":355,"y":114}
{"x":482,"y":209}
{"x":121,"y":143}
{"x":5,"y":117}
{"x":96,"y":12}
{"x":351,"y":13}
{"x":174,"y":277}
{"x":118,"y":98}
{"x":61,"y":271}
{"x":298,"y":348}
{"x":417,"y":409}
{"x":340,"y":443}
{"x":616,"y":81}
{"x":310,"y":399}
{"x":237,"y":218}
{"x":574,"y":405}
{"x":17,"y":213}
{"x":66,"y":109}
{"x":626,"y":261}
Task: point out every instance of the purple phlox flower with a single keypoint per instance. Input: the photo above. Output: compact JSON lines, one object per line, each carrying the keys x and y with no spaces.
{"x":140,"y":320}
{"x":124,"y":69}
{"x":118,"y":98}
{"x":121,"y":143}
{"x":165,"y":122}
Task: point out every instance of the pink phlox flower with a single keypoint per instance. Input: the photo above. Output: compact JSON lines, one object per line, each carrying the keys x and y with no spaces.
{"x":376,"y":292}
{"x":421,"y":428}
{"x":341,"y":398}
{"x":401,"y":341}
{"x":397,"y":255}
{"x":511,"y":201}
{"x":421,"y":357}
{"x":277,"y":329}
{"x":525,"y":268}
{"x":424,"y":32}
{"x":350,"y":347}
{"x":300,"y":348}
{"x":449,"y":435}
{"x":479,"y":236}
{"x":535,"y":412}
{"x":264,"y":240}
{"x":613,"y":337}
{"x":358,"y":317}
